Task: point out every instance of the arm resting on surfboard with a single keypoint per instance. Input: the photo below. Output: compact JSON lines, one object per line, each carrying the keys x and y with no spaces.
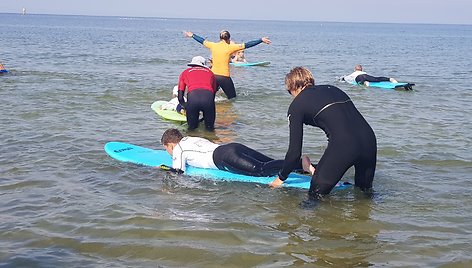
{"x":171,"y":169}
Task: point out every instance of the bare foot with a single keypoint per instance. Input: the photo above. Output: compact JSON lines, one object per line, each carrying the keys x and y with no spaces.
{"x":393,"y":80}
{"x":306,"y":164}
{"x":366,"y":83}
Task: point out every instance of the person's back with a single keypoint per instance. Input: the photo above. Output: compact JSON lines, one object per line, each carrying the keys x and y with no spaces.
{"x":194,"y":151}
{"x":221,"y":54}
{"x":318,"y":102}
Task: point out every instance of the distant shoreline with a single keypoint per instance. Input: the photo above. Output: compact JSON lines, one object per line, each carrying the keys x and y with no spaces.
{"x":181,"y":18}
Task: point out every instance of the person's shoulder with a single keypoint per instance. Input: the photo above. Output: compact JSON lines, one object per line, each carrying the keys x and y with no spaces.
{"x":326,"y":87}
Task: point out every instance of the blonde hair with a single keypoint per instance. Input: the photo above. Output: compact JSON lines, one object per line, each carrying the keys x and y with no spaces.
{"x":299,"y":78}
{"x":358,"y":67}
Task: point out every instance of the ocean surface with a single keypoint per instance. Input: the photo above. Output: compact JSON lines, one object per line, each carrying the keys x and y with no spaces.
{"x":77,"y":82}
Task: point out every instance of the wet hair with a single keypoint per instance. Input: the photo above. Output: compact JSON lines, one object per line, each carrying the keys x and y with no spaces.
{"x":299,"y":77}
{"x":224,"y":35}
{"x":172,"y":135}
{"x":358,"y":67}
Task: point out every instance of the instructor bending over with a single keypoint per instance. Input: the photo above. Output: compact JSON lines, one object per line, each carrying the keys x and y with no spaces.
{"x":351,"y":141}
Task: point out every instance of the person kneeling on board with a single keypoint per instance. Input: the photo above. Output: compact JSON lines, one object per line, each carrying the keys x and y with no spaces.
{"x":200,"y":83}
{"x":233,"y":157}
{"x":362,"y":78}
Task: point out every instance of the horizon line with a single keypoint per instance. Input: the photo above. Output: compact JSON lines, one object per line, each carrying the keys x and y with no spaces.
{"x":277,"y":20}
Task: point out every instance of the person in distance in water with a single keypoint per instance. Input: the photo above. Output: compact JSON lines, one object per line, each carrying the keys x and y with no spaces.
{"x":351,"y":140}
{"x":362,"y":78}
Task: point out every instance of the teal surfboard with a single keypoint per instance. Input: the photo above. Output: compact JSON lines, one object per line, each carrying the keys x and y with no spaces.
{"x":167,"y":114}
{"x":127,"y":152}
{"x":389,"y":85}
{"x":249,"y":64}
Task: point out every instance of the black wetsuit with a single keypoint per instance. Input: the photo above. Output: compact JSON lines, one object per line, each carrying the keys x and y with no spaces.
{"x":360,"y":79}
{"x":351,"y":141}
{"x":227,"y":85}
{"x":240,"y":159}
{"x":200,"y":100}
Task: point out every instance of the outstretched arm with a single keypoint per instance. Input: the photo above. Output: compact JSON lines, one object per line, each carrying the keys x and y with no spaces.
{"x":264,"y":40}
{"x":197,"y":38}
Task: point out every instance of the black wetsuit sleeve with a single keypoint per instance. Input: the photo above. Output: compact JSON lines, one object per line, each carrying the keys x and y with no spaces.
{"x":252,"y":43}
{"x":197,"y":38}
{"x":181,"y":99}
{"x":292,"y":158}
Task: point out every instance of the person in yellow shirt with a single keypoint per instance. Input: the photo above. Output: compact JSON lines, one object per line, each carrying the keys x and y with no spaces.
{"x":221,"y":57}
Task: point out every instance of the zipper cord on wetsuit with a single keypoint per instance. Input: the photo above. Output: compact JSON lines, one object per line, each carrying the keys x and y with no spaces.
{"x":328,"y":105}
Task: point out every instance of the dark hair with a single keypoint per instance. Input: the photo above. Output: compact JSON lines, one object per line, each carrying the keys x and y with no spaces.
{"x":224,"y":35}
{"x":172,"y":135}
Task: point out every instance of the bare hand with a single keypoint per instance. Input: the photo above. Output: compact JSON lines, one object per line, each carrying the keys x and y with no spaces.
{"x":188,"y":34}
{"x":266,"y":40}
{"x":276,"y":183}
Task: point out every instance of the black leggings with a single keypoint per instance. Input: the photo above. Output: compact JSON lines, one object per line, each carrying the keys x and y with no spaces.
{"x":201,"y":100}
{"x":226,"y":83}
{"x":338,"y":158}
{"x":360,"y":79}
{"x":240,"y":159}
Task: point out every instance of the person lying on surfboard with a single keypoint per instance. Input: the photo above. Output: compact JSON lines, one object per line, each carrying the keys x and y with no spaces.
{"x":173,"y":104}
{"x":238,"y":56}
{"x":362,"y":78}
{"x":233,"y":157}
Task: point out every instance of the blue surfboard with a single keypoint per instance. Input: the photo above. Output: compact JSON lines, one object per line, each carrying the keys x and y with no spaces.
{"x":389,"y":85}
{"x":4,"y":71}
{"x":127,"y":152}
{"x":249,"y":64}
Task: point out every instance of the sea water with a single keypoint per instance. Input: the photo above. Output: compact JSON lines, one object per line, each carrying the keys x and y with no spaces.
{"x":77,"y":82}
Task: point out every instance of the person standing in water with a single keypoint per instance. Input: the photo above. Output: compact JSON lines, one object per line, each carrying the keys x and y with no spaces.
{"x":221,"y":57}
{"x":351,"y":140}
{"x":199,"y":83}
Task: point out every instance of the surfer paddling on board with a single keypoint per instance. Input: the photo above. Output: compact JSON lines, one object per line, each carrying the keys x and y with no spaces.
{"x":362,"y":78}
{"x":233,"y":157}
{"x":221,"y":54}
{"x":351,"y":140}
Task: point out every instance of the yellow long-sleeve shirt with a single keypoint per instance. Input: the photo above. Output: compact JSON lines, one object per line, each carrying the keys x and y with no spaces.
{"x":221,"y":53}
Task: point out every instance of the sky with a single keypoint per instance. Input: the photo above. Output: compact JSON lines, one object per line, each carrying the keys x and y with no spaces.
{"x":394,"y":11}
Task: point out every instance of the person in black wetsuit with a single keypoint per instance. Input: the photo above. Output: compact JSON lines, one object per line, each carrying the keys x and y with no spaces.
{"x":351,"y":140}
